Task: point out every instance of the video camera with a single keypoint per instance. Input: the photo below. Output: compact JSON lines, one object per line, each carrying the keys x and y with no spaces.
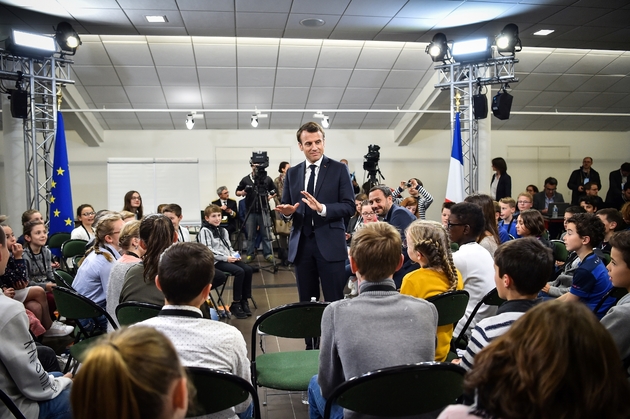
{"x":260,"y":161}
{"x":370,"y":164}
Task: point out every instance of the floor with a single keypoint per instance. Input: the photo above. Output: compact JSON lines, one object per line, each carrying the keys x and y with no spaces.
{"x":271,"y":290}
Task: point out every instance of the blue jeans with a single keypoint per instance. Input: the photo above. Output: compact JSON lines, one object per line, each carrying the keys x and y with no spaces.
{"x":57,"y":408}
{"x":253,"y":221}
{"x":317,"y":402}
{"x":247,"y":414}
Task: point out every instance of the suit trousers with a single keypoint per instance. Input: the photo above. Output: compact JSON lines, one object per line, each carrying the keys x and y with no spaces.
{"x":311,"y":268}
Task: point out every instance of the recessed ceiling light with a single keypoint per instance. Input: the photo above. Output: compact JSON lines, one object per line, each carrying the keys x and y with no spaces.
{"x":157,"y":19}
{"x":312,"y":22}
{"x":544,"y":32}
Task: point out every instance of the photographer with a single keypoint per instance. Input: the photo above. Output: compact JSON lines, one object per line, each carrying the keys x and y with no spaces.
{"x":417,"y":191}
{"x":254,"y":186}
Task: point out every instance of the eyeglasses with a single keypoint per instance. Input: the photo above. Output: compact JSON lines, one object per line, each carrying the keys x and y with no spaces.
{"x":524,"y":202}
{"x":87,"y":214}
{"x":368,"y":214}
{"x":449,"y":224}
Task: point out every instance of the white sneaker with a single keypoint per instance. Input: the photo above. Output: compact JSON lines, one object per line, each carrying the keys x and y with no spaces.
{"x":58,"y":329}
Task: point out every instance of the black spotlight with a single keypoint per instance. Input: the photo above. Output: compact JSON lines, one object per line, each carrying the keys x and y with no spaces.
{"x":438,"y":48}
{"x":502,"y":104}
{"x":67,"y":38}
{"x":508,"y":41}
{"x":480,"y":104}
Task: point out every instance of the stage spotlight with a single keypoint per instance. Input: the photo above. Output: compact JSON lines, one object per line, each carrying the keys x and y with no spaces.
{"x":438,"y":48}
{"x":31,"y":45}
{"x":325,"y":119}
{"x":502,"y":104}
{"x":190,"y":120}
{"x":508,"y":41}
{"x":67,"y":38}
{"x":474,"y":50}
{"x":257,"y":115}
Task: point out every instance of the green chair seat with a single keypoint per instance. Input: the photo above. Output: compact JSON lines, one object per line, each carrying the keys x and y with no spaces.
{"x":80,"y":349}
{"x":277,"y":370}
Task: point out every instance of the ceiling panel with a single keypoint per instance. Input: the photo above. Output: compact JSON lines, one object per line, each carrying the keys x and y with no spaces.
{"x":196,"y":61}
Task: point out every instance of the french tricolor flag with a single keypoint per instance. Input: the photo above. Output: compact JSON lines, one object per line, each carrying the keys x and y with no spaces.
{"x":455,"y":184}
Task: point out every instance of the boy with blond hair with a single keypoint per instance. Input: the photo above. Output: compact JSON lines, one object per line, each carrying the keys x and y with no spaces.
{"x":507,"y":225}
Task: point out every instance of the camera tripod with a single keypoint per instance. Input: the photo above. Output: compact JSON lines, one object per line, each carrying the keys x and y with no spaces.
{"x":269,"y":229}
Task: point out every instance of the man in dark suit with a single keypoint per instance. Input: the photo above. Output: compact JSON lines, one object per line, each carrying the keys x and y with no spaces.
{"x":548,"y":196}
{"x":317,"y":196}
{"x":229,"y":210}
{"x":617,"y":179}
{"x":580,"y":177}
{"x":383,"y":205}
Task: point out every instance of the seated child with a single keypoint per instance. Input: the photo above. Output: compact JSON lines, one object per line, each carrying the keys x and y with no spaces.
{"x":227,"y":260}
{"x":588,"y":203}
{"x":429,"y":246}
{"x":446,"y":211}
{"x":618,"y":317}
{"x":377,"y":329}
{"x":15,"y":285}
{"x":22,"y":377}
{"x":612,"y":222}
{"x":131,"y":373}
{"x":507,"y":224}
{"x":590,"y":280}
{"x":521,"y":269}
{"x":174,"y":213}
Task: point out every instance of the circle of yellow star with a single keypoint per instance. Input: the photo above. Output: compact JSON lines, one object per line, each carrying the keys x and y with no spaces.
{"x":57,"y":212}
{"x":60,"y":171}
{"x":68,"y":221}
{"x":52,"y":199}
{"x":53,"y":184}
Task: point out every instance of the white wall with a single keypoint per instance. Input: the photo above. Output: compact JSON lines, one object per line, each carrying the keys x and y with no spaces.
{"x":426,"y":157}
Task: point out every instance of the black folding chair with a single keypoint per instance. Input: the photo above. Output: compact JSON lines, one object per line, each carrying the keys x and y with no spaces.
{"x":405,"y":390}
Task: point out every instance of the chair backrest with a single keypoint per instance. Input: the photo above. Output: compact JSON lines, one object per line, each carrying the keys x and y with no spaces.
{"x":450,"y":306}
{"x":67,"y":277}
{"x":60,"y":279}
{"x":219,"y":390}
{"x":73,"y":305}
{"x":133,"y":312}
{"x":8,"y":402}
{"x":56,"y":240}
{"x":71,"y":248}
{"x":405,"y":390}
{"x":296,"y":320}
{"x":615,"y":293}
{"x":560,"y":250}
{"x":492,"y":299}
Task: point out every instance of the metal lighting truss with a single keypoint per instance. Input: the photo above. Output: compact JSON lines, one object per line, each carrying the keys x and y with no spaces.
{"x":42,"y":79}
{"x":462,"y":79}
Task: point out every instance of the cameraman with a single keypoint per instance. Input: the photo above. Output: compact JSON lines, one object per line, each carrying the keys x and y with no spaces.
{"x":417,"y":191}
{"x":250,"y":187}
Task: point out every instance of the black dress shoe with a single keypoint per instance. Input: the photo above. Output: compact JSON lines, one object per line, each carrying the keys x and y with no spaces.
{"x":245,"y":306}
{"x":237,"y":310}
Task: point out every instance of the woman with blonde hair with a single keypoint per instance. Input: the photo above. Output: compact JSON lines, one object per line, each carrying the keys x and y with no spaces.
{"x":428,"y":244}
{"x":93,"y":274}
{"x":555,"y":362}
{"x":132,"y":373}
{"x":132,"y":254}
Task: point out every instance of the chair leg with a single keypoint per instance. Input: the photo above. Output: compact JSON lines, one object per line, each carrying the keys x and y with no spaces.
{"x":219,"y":292}
{"x":253,"y":302}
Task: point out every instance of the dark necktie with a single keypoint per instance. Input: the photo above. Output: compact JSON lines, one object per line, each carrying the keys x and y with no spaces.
{"x":308,"y":212}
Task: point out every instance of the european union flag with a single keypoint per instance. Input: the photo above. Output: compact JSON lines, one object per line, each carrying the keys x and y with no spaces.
{"x":61,"y":211}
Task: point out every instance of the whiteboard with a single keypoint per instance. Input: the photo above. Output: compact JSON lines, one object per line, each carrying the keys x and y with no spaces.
{"x":159,"y":181}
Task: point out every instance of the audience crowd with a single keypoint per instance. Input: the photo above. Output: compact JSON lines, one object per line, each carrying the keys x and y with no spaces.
{"x":558,"y":346}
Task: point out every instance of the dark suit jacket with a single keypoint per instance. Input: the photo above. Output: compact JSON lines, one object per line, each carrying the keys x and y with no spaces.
{"x":504,"y":187}
{"x":577,"y":179}
{"x":231,"y":219}
{"x":539,"y":200}
{"x":333,"y":189}
{"x":614,"y":187}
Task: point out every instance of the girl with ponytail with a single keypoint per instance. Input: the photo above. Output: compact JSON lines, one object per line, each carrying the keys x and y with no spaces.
{"x":428,"y":245}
